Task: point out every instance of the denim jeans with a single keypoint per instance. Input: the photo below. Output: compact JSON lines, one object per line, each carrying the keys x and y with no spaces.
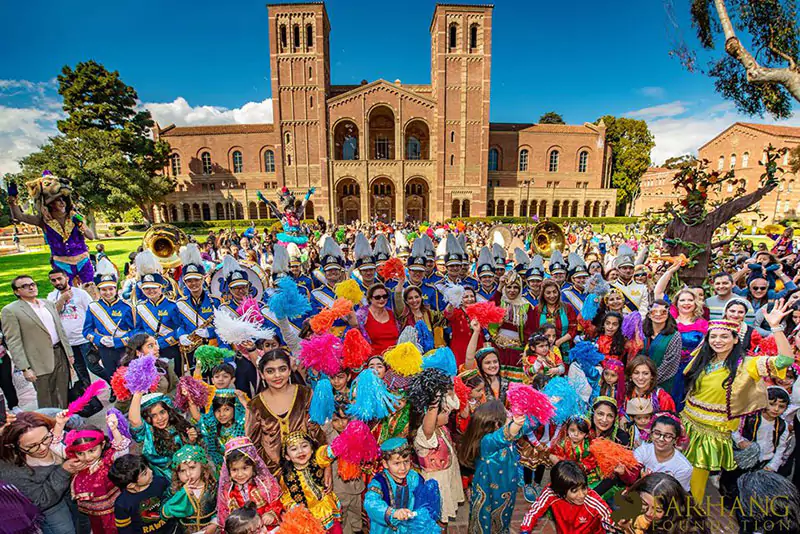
{"x":81,"y":365}
{"x":58,"y":519}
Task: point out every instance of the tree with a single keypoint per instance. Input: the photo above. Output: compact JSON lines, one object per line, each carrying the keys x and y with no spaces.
{"x":551,"y":117}
{"x":762,"y":76}
{"x":680,"y":162}
{"x":631,"y":143}
{"x":106,"y":147}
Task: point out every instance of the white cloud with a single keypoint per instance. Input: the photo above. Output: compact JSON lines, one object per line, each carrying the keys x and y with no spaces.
{"x":652,"y":91}
{"x":181,"y":113}
{"x":671,"y":109}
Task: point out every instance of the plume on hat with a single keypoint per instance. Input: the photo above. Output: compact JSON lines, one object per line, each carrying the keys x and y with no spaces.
{"x":330,"y":248}
{"x":362,"y":250}
{"x":521,"y":257}
{"x":485,"y":257}
{"x":147,"y":263}
{"x":105,"y":267}
{"x":280,"y":259}
{"x":400,"y":240}
{"x":190,"y":254}
{"x":382,"y":245}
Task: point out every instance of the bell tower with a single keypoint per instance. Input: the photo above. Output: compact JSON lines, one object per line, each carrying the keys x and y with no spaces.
{"x":300,"y":70}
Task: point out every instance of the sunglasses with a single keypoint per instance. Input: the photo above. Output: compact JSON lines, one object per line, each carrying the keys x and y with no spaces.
{"x":380,"y":297}
{"x":759,"y":288}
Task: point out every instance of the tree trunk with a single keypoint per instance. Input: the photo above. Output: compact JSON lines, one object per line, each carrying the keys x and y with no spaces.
{"x":91,"y":219}
{"x":145,"y":209}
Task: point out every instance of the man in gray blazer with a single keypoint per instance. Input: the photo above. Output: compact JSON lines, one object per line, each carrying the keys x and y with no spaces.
{"x":37,"y":343}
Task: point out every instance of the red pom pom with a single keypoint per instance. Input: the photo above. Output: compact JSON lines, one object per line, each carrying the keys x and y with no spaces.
{"x":299,"y":520}
{"x":118,"y":384}
{"x":356,"y":350}
{"x":768,"y":347}
{"x":486,"y":313}
{"x":462,"y":392}
{"x":609,"y":455}
{"x":393,"y":269}
{"x":524,"y":400}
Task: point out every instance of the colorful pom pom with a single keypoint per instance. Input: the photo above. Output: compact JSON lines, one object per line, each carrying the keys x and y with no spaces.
{"x":609,"y":455}
{"x":209,"y":356}
{"x":632,"y":326}
{"x":564,"y":398}
{"x":355,"y":350}
{"x":421,"y":523}
{"x":322,"y":402}
{"x":486,"y":313}
{"x":142,"y":374}
{"x":299,"y":520}
{"x":426,"y":388}
{"x":349,"y":290}
{"x":287,"y":302}
{"x":393,"y":269}
{"x":122,"y":422}
{"x":348,"y":471}
{"x":442,"y":359}
{"x":427,"y":496}
{"x":405,"y":359}
{"x":462,"y":390}
{"x":81,"y":402}
{"x":191,"y":390}
{"x":356,"y":445}
{"x":590,"y":307}
{"x":322,"y":353}
{"x":424,"y":336}
{"x":585,"y":354}
{"x":251,"y":309}
{"x":118,"y":386}
{"x":524,"y":400}
{"x":323,"y":321}
{"x":768,"y":347}
{"x":453,"y":294}
{"x":372,"y":398}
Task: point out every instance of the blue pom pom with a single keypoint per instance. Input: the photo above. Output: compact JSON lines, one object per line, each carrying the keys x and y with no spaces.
{"x":372,"y":399}
{"x":425,"y":336}
{"x":288,"y":302}
{"x":442,"y":359}
{"x":590,"y":307}
{"x":585,"y":354}
{"x":322,"y":402}
{"x":422,"y":523}
{"x":428,"y":497}
{"x":296,"y":239}
{"x":568,"y":403}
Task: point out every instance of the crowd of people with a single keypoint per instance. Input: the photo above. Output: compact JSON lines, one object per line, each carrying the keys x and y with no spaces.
{"x":374,"y":377}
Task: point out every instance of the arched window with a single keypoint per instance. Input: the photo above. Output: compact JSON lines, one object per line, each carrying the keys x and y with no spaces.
{"x":310,"y":73}
{"x":556,"y":208}
{"x":745,"y":159}
{"x":455,"y":208}
{"x":452,"y":137}
{"x":543,"y":208}
{"x":473,"y":37}
{"x":733,"y":161}
{"x":523,"y":208}
{"x":510,"y":208}
{"x":452,"y":160}
{"x":465,"y":208}
{"x":553,"y":167}
{"x":283,"y":36}
{"x":309,"y":36}
{"x":269,"y":161}
{"x":311,"y":101}
{"x":494,"y":159}
{"x":205,"y":158}
{"x":413,"y":148}
{"x":237,"y":161}
{"x":452,"y":36}
{"x":523,"y":159}
{"x":583,"y":161}
{"x":721,"y":163}
{"x":288,"y":138}
{"x":175,"y":161}
{"x":296,"y":36}
{"x":288,"y":160}
{"x":490,"y":208}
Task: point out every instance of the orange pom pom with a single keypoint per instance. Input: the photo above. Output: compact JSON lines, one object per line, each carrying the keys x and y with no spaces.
{"x":323,"y":321}
{"x":348,"y":471}
{"x":393,"y":269}
{"x":299,"y":520}
{"x":609,"y":455}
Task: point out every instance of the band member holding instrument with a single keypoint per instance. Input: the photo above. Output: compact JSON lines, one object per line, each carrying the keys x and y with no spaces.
{"x":197,"y":307}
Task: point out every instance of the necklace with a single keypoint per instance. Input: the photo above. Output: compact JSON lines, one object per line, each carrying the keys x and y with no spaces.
{"x":714,"y":366}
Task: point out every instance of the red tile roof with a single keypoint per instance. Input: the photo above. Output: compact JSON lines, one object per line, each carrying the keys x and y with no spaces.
{"x":539,"y":128}
{"x":774,"y":129}
{"x":218,"y":129}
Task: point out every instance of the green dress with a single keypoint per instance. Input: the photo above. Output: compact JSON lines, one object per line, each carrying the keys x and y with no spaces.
{"x":194,"y":513}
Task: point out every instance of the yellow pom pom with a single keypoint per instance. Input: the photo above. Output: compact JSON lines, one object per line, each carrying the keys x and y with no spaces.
{"x":405,"y":359}
{"x":349,"y":290}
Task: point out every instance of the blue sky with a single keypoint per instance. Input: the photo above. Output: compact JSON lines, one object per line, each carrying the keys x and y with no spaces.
{"x":207,"y":61}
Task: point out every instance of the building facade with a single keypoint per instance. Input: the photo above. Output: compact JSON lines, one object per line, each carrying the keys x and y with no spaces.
{"x":386,"y":150}
{"x":739,"y":147}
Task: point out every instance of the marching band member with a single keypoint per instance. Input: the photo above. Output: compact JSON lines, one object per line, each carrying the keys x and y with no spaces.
{"x":197,"y":307}
{"x":381,"y":250}
{"x":109,"y":320}
{"x":401,"y":247}
{"x":499,"y":254}
{"x":636,"y":295}
{"x":364,"y":272}
{"x":466,"y":278}
{"x":432,"y":272}
{"x":486,"y":276}
{"x":534,"y":277}
{"x":558,"y":268}
{"x":157,"y":315}
{"x":305,"y":283}
{"x":416,"y":277}
{"x":237,"y":283}
{"x":452,"y":259}
{"x":574,"y":295}
{"x":332,"y":263}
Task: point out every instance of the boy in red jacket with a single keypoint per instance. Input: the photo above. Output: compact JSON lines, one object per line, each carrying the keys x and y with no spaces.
{"x":575,"y":508}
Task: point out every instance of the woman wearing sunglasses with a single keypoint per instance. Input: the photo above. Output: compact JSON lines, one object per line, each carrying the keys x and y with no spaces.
{"x":377,"y":321}
{"x":28,"y":461}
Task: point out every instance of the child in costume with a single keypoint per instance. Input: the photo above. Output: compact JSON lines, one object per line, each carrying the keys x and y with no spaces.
{"x":303,"y":481}
{"x":610,"y":341}
{"x":573,"y":444}
{"x":541,"y":359}
{"x":575,"y":508}
{"x":91,"y":488}
{"x":221,"y":423}
{"x":477,"y":396}
{"x":194,"y":491}
{"x":348,"y":483}
{"x":639,"y":412}
{"x":397,"y":493}
{"x":488,"y":447}
{"x":612,"y":380}
{"x":244,"y":478}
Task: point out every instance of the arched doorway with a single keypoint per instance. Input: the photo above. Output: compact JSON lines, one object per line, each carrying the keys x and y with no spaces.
{"x":565,"y":208}
{"x":455,"y":208}
{"x":605,"y":209}
{"x":187,"y":212}
{"x":219,"y":211}
{"x":252,"y":211}
{"x":465,"y":208}
{"x":348,"y":201}
{"x":587,"y":209}
{"x":490,"y":208}
{"x":173,"y":211}
{"x":206,"y":212}
{"x":556,"y":207}
{"x":416,"y":200}
{"x":574,"y":208}
{"x":596,"y":209}
{"x":381,"y":203}
{"x":196,"y":212}
{"x":542,"y":209}
{"x":263,"y":212}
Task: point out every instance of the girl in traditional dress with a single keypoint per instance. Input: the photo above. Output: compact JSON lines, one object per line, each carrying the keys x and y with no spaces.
{"x":612,"y":380}
{"x":573,"y":444}
{"x":224,"y":421}
{"x":460,"y":329}
{"x":194,"y":491}
{"x":245,"y":478}
{"x":94,"y":493}
{"x":662,"y":342}
{"x":611,"y":342}
{"x":488,"y":447}
{"x":722,"y":384}
{"x":396,"y":423}
{"x":541,"y":361}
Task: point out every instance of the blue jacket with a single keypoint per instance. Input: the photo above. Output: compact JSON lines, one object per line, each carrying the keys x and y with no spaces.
{"x":115,"y":320}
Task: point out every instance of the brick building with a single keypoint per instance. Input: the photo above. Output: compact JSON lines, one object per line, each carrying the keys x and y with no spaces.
{"x":739,"y":147}
{"x":386,"y":149}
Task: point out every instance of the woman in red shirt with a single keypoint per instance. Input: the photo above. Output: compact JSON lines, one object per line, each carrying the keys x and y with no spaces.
{"x":377,"y":322}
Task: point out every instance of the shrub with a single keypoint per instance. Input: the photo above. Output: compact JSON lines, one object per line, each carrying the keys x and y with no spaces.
{"x":558,"y":220}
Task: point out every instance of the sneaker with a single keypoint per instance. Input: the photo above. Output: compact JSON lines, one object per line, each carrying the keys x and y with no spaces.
{"x":531,"y":492}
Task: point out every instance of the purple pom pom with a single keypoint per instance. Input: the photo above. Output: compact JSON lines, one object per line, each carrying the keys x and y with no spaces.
{"x":122,"y":422}
{"x":632,"y":325}
{"x":142,"y":374}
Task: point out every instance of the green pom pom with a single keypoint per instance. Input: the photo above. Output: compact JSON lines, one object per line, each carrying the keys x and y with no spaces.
{"x":208,"y":356}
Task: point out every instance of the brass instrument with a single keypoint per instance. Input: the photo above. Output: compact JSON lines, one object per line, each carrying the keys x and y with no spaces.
{"x":197,"y":340}
{"x":547,"y":237}
{"x":164,"y":241}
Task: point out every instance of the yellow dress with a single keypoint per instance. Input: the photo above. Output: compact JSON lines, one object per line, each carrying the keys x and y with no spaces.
{"x":324,"y":505}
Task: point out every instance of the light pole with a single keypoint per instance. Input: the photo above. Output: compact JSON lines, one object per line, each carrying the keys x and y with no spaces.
{"x":527,"y":183}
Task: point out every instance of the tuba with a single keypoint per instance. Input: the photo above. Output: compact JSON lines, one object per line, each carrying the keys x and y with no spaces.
{"x":164,"y":241}
{"x":547,"y":237}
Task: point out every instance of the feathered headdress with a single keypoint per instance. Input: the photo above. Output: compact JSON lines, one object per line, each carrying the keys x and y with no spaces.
{"x":557,"y":264}
{"x":499,"y":254}
{"x":625,"y":257}
{"x":105,"y":274}
{"x":485,"y":262}
{"x":148,"y":269}
{"x":521,"y":261}
{"x":381,"y":249}
{"x":576,"y":266}
{"x":536,"y":270}
{"x":331,"y":255}
{"x":454,"y":254}
{"x":428,"y":246}
{"x":441,"y":250}
{"x":192,"y":262}
{"x":401,"y":246}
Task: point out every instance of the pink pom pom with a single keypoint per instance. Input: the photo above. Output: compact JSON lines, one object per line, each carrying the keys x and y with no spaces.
{"x":250,"y":309}
{"x":486,"y":313}
{"x":191,"y":390}
{"x":356,"y":445}
{"x":524,"y":400}
{"x":323,"y":353}
{"x":91,"y":392}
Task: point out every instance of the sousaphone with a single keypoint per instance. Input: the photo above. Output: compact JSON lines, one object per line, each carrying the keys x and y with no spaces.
{"x":547,"y":237}
{"x":165,"y":241}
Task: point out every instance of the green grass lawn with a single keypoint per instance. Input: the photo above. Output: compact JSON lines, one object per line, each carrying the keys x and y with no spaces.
{"x":37,"y":265}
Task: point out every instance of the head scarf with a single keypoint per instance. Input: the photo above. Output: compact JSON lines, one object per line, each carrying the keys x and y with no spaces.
{"x":263,"y":480}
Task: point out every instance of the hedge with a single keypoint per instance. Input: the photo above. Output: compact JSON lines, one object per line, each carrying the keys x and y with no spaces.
{"x":528,"y":220}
